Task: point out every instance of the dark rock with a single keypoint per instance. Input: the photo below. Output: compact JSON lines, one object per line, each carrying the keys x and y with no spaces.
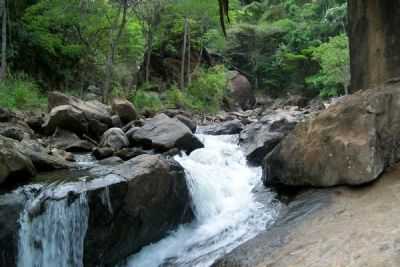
{"x":131,"y":152}
{"x":103,"y":152}
{"x":66,"y":117}
{"x":188,"y":122}
{"x":35,"y":122}
{"x":351,"y":142}
{"x":70,"y":142}
{"x":225,"y":128}
{"x":297,"y":100}
{"x":111,"y":161}
{"x":163,"y":133}
{"x":124,"y":109}
{"x":6,"y":115}
{"x":14,"y":164}
{"x":15,"y":130}
{"x":116,"y":121}
{"x":151,"y":199}
{"x":114,"y":138}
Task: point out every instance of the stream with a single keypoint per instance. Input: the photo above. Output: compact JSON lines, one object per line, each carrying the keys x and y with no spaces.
{"x":227,"y":214}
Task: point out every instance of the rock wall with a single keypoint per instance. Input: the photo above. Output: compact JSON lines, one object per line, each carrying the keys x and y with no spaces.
{"x":374,"y":42}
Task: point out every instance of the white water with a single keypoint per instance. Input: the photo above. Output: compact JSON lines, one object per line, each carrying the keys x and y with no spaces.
{"x":226,"y":211}
{"x":55,"y":237}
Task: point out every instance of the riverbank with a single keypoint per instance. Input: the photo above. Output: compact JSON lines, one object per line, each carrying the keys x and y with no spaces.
{"x":339,"y":226}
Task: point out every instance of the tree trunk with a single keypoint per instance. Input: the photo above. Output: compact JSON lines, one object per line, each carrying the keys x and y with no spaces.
{"x":189,"y":69}
{"x":114,"y":42}
{"x":182,"y":83}
{"x":374,"y":42}
{"x":148,"y":54}
{"x":3,"y":67}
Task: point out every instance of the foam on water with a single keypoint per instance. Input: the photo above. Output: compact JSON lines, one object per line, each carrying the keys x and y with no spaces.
{"x":227,"y":214}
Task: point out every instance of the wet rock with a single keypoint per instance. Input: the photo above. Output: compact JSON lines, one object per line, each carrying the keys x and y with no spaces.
{"x":103,"y":152}
{"x":228,"y":127}
{"x":114,"y":138}
{"x":116,"y":121}
{"x":351,"y":142}
{"x":14,"y":164}
{"x":260,"y":138}
{"x":111,"y":161}
{"x":131,"y":152}
{"x":124,"y":109}
{"x":11,"y":206}
{"x":163,"y":133}
{"x":70,"y":142}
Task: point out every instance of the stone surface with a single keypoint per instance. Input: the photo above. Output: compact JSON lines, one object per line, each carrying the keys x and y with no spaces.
{"x":114,"y":138}
{"x":68,"y":118}
{"x":70,"y":142}
{"x":330,"y":227}
{"x":15,"y":130}
{"x":259,"y":138}
{"x":103,"y":152}
{"x":351,"y":142}
{"x":187,"y":121}
{"x":124,"y":109}
{"x":14,"y":165}
{"x":163,"y":133}
{"x":228,"y":127}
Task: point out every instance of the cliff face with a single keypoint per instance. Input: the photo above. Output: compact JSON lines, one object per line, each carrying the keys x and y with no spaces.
{"x":374,"y":42}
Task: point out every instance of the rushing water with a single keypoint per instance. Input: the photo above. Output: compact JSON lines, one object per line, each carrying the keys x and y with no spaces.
{"x":227,"y":214}
{"x":56,"y":236}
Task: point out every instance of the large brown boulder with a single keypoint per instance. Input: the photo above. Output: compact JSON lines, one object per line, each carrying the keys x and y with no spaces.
{"x":124,"y":109}
{"x":351,"y":142}
{"x":240,"y":91}
{"x":164,"y":133}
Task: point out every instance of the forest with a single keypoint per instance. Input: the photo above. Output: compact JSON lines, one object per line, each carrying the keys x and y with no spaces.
{"x":170,"y":53}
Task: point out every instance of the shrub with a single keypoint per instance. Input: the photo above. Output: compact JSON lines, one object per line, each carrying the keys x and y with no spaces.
{"x":146,"y":100}
{"x":20,"y":92}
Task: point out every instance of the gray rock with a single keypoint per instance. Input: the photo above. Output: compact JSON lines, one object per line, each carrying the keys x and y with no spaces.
{"x":124,"y":109}
{"x":351,"y":142}
{"x":225,"y":128}
{"x":114,"y":138}
{"x":14,"y":164}
{"x":70,"y":142}
{"x":188,"y":122}
{"x":66,"y":117}
{"x":240,"y":91}
{"x":103,"y":152}
{"x":163,"y":133}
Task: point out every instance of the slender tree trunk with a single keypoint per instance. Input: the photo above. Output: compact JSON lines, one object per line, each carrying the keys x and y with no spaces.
{"x":3,"y":67}
{"x":189,"y":71}
{"x":114,"y":42}
{"x":182,"y":84}
{"x":148,"y":55}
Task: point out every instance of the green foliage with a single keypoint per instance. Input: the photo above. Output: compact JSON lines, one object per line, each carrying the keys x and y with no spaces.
{"x":21,"y":92}
{"x":334,"y":75}
{"x":147,"y":101}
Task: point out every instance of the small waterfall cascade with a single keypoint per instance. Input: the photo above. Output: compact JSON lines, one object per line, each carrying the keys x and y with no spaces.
{"x":227,"y":213}
{"x":55,"y":236}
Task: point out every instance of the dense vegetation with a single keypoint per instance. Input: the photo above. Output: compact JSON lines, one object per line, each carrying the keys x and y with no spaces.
{"x":170,"y":53}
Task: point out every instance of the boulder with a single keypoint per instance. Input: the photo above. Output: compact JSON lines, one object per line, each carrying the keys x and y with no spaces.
{"x":188,"y":122}
{"x":131,"y":152}
{"x":6,"y":115}
{"x":225,"y":128}
{"x":66,"y":117}
{"x":70,"y":142}
{"x":15,"y":130}
{"x":35,"y":122}
{"x":42,"y":158}
{"x":114,"y":138}
{"x":240,"y":91}
{"x":116,"y":121}
{"x":163,"y":133}
{"x":103,"y":152}
{"x":96,"y":114}
{"x":124,"y":109}
{"x":351,"y":142}
{"x":259,"y":138}
{"x":14,"y":164}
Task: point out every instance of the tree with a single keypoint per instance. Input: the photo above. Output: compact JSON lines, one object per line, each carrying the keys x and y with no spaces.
{"x":3,"y":67}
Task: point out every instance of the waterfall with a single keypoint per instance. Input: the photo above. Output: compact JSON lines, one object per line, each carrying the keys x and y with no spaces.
{"x":221,"y":185}
{"x":56,"y":236}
